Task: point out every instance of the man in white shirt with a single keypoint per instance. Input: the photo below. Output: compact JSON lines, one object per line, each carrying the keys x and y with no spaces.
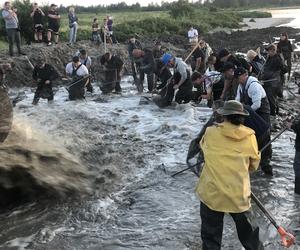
{"x":193,"y":35}
{"x":86,"y":60}
{"x":79,"y":74}
{"x":251,"y":93}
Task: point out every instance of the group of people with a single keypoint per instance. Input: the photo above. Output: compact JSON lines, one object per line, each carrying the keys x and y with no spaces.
{"x":12,"y":26}
{"x":244,"y":96}
{"x":78,"y":75}
{"x":247,"y":89}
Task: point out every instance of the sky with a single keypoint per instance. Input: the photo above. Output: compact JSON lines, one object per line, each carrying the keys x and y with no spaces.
{"x":93,"y":2}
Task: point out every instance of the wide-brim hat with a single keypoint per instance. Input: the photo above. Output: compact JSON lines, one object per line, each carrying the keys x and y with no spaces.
{"x":232,"y":107}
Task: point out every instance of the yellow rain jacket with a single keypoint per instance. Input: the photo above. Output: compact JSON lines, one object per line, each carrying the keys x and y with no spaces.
{"x":230,"y":153}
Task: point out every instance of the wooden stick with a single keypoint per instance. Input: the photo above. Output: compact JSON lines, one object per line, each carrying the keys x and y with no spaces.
{"x":196,"y":46}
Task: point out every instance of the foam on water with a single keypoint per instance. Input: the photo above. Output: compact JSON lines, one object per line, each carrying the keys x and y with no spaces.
{"x":138,"y":147}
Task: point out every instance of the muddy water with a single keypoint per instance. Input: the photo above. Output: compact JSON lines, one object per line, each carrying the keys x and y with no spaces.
{"x":132,"y":150}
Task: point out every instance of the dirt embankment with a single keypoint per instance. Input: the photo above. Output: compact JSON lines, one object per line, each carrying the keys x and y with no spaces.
{"x":242,"y":41}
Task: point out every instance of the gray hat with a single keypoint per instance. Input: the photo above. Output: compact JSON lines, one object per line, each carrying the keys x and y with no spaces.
{"x":232,"y":107}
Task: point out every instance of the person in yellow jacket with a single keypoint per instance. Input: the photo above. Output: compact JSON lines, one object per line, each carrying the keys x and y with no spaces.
{"x":230,"y":154}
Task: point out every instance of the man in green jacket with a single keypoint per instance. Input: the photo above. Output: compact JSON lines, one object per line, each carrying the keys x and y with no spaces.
{"x":230,"y":153}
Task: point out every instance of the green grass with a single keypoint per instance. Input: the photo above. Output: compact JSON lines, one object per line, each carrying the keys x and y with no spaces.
{"x":155,"y":23}
{"x":3,"y":45}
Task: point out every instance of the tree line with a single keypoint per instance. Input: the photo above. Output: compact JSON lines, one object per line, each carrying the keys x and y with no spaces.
{"x":122,"y":6}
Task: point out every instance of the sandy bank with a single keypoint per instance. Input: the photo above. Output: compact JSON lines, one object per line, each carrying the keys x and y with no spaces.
{"x":261,"y":23}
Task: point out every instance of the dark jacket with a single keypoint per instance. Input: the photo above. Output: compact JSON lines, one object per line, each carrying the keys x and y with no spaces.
{"x":296,"y":128}
{"x":45,"y":73}
{"x":132,"y":46}
{"x":285,"y":47}
{"x":238,"y":62}
{"x":257,"y":64}
{"x":115,"y":63}
{"x":272,"y":67}
{"x":148,"y":62}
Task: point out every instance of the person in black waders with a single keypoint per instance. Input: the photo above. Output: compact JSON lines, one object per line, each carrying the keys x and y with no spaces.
{"x":114,"y":66}
{"x":79,"y":75}
{"x":230,"y":153}
{"x":132,"y":45}
{"x":86,"y":60}
{"x":251,"y":93}
{"x":296,"y":127}
{"x":181,"y":81}
{"x":44,"y":74}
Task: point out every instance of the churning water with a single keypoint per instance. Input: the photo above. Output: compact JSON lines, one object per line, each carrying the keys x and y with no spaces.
{"x":130,"y":151}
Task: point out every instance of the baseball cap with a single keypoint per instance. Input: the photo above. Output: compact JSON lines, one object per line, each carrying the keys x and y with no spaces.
{"x":240,"y":71}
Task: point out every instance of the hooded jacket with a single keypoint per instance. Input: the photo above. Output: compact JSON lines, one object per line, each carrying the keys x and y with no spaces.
{"x":230,"y":153}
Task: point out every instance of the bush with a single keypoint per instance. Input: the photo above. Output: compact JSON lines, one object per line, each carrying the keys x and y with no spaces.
{"x":254,"y":14}
{"x":182,"y":8}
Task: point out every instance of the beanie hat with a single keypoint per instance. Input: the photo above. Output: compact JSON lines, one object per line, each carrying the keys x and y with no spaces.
{"x":166,"y":58}
{"x":223,"y":52}
{"x":226,"y":66}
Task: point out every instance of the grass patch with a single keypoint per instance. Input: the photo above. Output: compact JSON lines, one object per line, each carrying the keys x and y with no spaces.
{"x":254,"y":14}
{"x":153,"y":24}
{"x":3,"y":45}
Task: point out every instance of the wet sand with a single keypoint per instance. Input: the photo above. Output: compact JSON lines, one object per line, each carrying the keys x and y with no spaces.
{"x":261,"y":23}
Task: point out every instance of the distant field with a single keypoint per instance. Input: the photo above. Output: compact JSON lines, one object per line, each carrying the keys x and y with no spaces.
{"x":155,"y":23}
{"x":85,"y":19}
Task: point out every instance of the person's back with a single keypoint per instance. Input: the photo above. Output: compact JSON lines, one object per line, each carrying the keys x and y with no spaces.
{"x":229,"y":154}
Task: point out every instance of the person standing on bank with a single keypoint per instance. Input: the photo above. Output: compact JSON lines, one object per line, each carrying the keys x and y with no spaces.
{"x":12,"y":28}
{"x":37,"y":14}
{"x":230,"y":153}
{"x":73,"y":25}
{"x":53,"y":24}
{"x":44,"y":74}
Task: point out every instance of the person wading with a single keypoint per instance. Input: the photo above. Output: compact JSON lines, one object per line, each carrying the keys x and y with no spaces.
{"x":285,"y":48}
{"x":230,"y":153}
{"x":114,"y":66}
{"x":44,"y":74}
{"x":182,"y":79}
{"x":224,"y":56}
{"x":134,"y":44}
{"x":272,"y":77}
{"x":79,"y":75}
{"x":251,"y":93}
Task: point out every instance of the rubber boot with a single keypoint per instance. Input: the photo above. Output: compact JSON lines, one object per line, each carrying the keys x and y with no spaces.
{"x":297,"y":185}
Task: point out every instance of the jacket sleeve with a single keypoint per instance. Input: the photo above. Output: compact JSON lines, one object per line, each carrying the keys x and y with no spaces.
{"x":296,"y":126}
{"x":254,"y":155}
{"x":53,"y":73}
{"x":291,"y":47}
{"x":34,"y":73}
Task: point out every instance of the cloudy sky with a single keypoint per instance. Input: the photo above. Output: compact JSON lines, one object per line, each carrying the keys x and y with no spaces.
{"x":94,"y":2}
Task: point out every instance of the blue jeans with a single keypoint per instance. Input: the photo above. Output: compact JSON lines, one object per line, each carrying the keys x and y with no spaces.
{"x":297,"y":164}
{"x":73,"y":33}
